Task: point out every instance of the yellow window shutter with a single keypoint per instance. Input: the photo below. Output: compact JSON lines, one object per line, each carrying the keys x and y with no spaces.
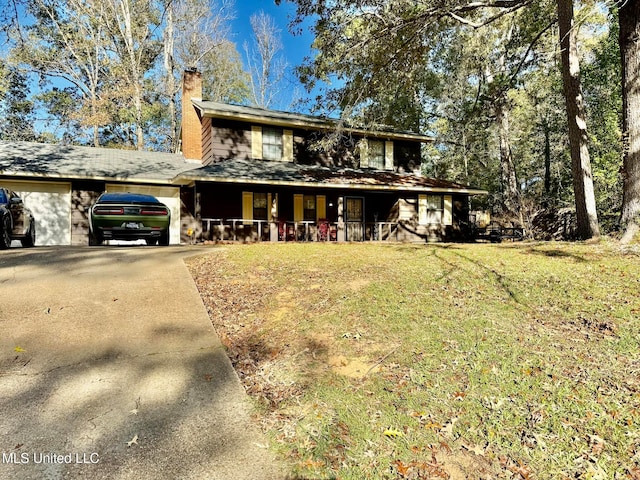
{"x":298,"y":207}
{"x":388,"y":155}
{"x":256,"y":142}
{"x":321,"y":207}
{"x":364,"y":153}
{"x":247,"y":207}
{"x":447,"y":215}
{"x":422,"y":209}
{"x":287,"y":145}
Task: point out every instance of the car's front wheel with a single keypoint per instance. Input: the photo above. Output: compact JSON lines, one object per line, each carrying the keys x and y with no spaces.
{"x":30,"y":239}
{"x":5,"y":233}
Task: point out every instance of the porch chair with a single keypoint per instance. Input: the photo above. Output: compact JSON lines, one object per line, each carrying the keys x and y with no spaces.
{"x":323,"y":230}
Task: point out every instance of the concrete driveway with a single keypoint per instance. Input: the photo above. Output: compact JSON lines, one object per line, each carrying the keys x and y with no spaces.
{"x":110,"y":369}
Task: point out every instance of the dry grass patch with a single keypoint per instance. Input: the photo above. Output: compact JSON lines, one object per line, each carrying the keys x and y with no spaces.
{"x":448,"y":361}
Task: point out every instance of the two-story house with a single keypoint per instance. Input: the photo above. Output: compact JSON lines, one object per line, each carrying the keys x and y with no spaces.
{"x":269,"y":175}
{"x":248,"y":174}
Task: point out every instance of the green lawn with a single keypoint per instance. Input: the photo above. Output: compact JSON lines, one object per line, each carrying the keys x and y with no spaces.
{"x":436,"y":361}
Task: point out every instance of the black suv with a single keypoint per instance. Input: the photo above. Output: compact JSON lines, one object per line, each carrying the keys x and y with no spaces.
{"x":16,"y":220}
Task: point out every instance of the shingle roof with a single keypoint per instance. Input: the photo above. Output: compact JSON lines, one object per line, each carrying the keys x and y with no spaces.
{"x":291,"y":174}
{"x":63,"y":161}
{"x":275,"y":117}
{"x":35,"y":160}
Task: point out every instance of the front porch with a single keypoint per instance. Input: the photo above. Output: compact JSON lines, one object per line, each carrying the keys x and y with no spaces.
{"x":251,"y":230}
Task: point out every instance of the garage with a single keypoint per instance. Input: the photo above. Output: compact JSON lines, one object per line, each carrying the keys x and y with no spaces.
{"x":170,"y":196}
{"x":50,"y":203}
{"x":59,"y":183}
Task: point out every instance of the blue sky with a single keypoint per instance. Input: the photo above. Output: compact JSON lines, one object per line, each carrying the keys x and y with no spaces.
{"x":295,"y":47}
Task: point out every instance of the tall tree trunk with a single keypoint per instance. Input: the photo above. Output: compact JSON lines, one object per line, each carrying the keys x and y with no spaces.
{"x":132,"y":66}
{"x":629,"y":18}
{"x":510,"y":191}
{"x":547,"y":164}
{"x":587,"y":217}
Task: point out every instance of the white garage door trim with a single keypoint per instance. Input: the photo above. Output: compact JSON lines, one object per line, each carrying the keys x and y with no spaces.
{"x":170,"y":196}
{"x":50,"y":203}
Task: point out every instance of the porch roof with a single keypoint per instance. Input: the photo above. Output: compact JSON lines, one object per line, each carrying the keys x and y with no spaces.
{"x":261,"y":172}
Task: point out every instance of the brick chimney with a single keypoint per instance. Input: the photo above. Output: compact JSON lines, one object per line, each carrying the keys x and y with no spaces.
{"x":191,"y":121}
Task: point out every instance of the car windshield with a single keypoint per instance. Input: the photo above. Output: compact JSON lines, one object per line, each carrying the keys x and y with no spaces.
{"x":127,"y":198}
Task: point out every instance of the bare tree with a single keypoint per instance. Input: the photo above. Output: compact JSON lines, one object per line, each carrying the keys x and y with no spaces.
{"x":266,"y":66}
{"x":132,"y":25}
{"x":66,"y":42}
{"x":194,"y":31}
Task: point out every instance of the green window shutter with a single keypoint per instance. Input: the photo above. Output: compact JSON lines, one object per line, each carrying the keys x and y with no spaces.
{"x":256,"y":142}
{"x":298,"y":207}
{"x":388,"y":155}
{"x":422,"y":210}
{"x":447,"y":215}
{"x":247,"y":207}
{"x":287,"y":145}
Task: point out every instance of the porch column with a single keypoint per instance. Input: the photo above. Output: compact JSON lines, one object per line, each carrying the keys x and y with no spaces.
{"x":341,"y":226}
{"x":273,"y":218}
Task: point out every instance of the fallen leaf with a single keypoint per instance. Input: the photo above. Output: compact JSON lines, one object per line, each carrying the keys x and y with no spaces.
{"x":634,"y":473}
{"x":435,"y":426}
{"x":311,"y":464}
{"x":133,"y":441}
{"x":134,"y":411}
{"x":447,"y":430}
{"x":402,"y":468}
{"x":391,"y":433}
{"x":19,"y":349}
{"x":445,"y":447}
{"x":475,"y":449}
{"x":597,"y":444}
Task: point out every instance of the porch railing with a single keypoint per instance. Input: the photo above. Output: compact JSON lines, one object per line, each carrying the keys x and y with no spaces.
{"x":250,"y":230}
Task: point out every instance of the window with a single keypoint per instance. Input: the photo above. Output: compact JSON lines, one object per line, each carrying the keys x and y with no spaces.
{"x":309,"y":202}
{"x":434,"y":209}
{"x":376,"y":154}
{"x":271,"y":144}
{"x":429,"y":209}
{"x":260,"y":206}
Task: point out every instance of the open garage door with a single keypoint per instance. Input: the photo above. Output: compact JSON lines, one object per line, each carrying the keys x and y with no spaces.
{"x":170,"y":196}
{"x":50,"y":203}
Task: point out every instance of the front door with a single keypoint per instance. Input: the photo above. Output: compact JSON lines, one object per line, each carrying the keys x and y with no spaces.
{"x":354,"y":219}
